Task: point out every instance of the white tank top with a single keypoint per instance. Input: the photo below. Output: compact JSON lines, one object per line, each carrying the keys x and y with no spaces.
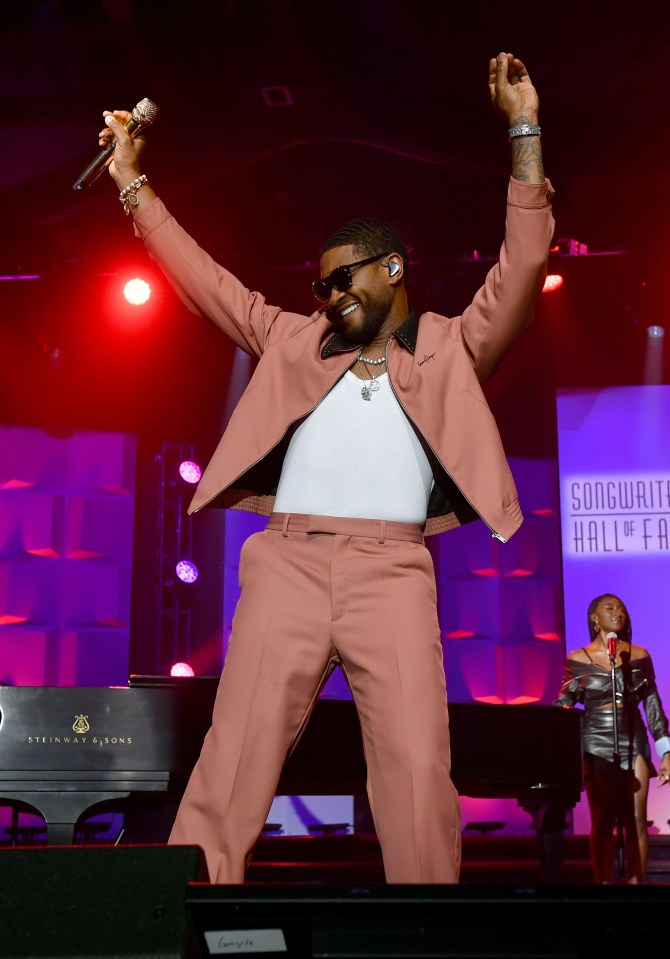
{"x":354,"y":457}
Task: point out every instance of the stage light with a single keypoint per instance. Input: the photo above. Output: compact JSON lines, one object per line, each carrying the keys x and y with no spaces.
{"x":653,"y":355}
{"x":137,"y":291}
{"x":10,"y":277}
{"x":186,"y":571}
{"x":182,"y":669}
{"x":568,"y":246}
{"x":554,"y":281}
{"x":190,"y":471}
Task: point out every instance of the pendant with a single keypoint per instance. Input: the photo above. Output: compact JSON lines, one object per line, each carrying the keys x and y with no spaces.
{"x":365,"y":392}
{"x":374,"y":386}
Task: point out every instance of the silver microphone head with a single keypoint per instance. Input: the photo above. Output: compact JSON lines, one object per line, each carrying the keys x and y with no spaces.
{"x":145,"y":112}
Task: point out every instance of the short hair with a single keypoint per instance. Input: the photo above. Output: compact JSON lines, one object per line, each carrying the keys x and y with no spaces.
{"x":626,"y":632}
{"x":368,"y":235}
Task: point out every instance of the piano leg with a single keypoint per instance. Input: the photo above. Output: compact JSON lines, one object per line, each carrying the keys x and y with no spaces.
{"x":60,"y":833}
{"x":549,"y":822}
{"x":61,"y":809}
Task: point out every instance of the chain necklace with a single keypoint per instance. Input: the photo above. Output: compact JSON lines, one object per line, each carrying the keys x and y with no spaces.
{"x":372,"y":385}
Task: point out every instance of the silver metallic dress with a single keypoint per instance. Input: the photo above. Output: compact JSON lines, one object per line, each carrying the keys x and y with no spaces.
{"x":591,"y":686}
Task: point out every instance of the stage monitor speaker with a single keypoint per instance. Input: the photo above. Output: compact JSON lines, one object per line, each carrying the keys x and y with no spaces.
{"x":96,"y":901}
{"x":431,"y":921}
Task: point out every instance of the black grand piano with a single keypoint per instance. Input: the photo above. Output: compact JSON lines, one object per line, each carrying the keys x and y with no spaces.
{"x":64,"y":750}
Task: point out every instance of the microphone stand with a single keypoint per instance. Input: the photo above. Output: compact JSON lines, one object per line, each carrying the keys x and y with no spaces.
{"x":616,"y":759}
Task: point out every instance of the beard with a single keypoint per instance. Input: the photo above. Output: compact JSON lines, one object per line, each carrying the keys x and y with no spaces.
{"x":374,"y":316}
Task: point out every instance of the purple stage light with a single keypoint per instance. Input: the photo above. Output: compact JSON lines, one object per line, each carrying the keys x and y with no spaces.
{"x":9,"y":278}
{"x":186,"y":571}
{"x":190,"y":471}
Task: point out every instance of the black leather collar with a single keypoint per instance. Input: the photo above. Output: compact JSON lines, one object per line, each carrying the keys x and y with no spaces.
{"x":408,"y":332}
{"x":405,"y":334}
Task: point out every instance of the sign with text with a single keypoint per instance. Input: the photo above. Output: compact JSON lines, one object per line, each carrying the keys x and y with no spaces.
{"x":614,"y":476}
{"x":616,"y":513}
{"x":614,"y":468}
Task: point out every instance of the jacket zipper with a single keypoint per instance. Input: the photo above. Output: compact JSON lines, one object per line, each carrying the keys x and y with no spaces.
{"x":493,"y":532}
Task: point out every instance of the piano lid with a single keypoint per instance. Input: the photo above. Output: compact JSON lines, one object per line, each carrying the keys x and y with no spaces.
{"x":102,"y":728}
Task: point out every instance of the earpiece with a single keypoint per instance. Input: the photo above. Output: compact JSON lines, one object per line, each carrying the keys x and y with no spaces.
{"x":394,"y":267}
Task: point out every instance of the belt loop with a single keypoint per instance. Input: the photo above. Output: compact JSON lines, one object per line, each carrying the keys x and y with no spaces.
{"x":382,"y":531}
{"x":284,"y":525}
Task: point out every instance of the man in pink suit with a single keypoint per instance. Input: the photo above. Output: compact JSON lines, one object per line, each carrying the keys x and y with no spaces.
{"x":363,"y":428}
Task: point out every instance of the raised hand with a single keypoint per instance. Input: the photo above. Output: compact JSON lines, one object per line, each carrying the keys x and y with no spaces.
{"x":125,"y":165}
{"x":515,"y":99}
{"x":512,"y":92}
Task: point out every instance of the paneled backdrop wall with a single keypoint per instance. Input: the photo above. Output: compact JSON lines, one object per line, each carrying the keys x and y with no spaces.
{"x":500,"y":604}
{"x":66,"y":545}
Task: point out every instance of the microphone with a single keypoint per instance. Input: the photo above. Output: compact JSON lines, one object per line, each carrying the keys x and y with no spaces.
{"x":143,"y":116}
{"x":611,"y":645}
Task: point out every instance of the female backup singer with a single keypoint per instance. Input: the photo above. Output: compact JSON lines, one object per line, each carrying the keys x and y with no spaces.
{"x":588,"y":680}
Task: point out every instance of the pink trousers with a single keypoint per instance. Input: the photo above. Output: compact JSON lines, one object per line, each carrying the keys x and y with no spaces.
{"x":315,"y":588}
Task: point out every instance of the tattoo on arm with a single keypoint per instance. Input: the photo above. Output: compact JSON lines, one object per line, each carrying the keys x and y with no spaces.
{"x":527,"y":160}
{"x":527,"y":163}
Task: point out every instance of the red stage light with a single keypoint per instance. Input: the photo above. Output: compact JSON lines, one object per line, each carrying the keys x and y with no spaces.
{"x":137,"y":291}
{"x":182,"y":669}
{"x":554,"y":281}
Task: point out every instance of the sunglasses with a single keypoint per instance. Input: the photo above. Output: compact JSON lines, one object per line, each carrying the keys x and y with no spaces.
{"x":340,"y":278}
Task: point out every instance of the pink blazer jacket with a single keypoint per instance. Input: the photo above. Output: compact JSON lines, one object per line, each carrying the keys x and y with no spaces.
{"x":436,"y":365}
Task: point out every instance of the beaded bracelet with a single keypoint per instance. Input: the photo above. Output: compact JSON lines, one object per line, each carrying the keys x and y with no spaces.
{"x":128,"y":195}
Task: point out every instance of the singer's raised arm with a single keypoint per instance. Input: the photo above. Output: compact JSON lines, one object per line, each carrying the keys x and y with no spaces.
{"x":205,"y":286}
{"x":209,"y":289}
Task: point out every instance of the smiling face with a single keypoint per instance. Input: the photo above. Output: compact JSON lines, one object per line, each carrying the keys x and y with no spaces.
{"x":363,"y":311}
{"x":610,"y":615}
